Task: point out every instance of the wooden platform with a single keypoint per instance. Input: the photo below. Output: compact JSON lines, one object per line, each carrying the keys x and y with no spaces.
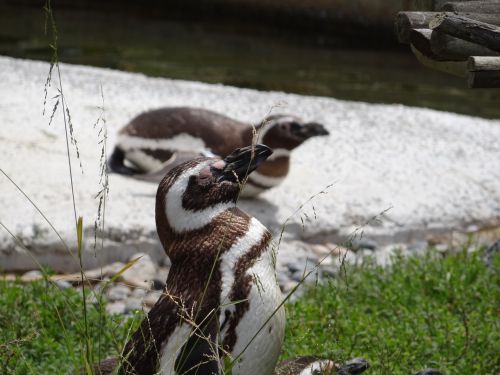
{"x":456,"y":37}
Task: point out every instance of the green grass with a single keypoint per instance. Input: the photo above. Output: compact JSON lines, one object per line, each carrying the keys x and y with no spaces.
{"x":42,"y":329}
{"x":421,"y":312}
{"x":430,"y":311}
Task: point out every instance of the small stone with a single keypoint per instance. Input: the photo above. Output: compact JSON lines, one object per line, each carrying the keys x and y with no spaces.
{"x":441,"y":247}
{"x":152,"y":298}
{"x":62,"y":284}
{"x":116,"y":308}
{"x":32,"y":275}
{"x":138,"y":293}
{"x":472,"y":229}
{"x":418,"y":247}
{"x":132,"y":304}
{"x":118,"y":292}
{"x":287,"y":287}
{"x":363,"y":243}
{"x":321,"y":250}
{"x":141,"y":273}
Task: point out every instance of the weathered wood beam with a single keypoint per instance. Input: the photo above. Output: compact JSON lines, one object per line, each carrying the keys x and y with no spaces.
{"x":468,"y":29}
{"x":420,"y":39}
{"x":471,"y":6}
{"x":450,"y":48}
{"x":405,"y":21}
{"x":457,"y":68}
{"x":476,"y":63}
{"x":484,"y":72}
{"x":428,"y":5}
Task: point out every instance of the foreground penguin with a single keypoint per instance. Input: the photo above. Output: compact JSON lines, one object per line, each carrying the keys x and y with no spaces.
{"x":156,"y":141}
{"x":221,"y":305}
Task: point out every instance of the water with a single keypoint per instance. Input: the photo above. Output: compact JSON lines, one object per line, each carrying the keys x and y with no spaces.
{"x":245,"y":57}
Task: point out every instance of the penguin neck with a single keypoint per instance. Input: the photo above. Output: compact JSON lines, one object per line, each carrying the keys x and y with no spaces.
{"x":214,"y":237}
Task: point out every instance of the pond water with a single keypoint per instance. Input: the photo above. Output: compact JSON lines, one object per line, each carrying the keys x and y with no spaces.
{"x":241,"y":56}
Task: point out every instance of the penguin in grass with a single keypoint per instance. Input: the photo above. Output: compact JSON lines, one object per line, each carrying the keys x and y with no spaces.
{"x":221,"y":306}
{"x":156,"y":141}
{"x":221,"y":309}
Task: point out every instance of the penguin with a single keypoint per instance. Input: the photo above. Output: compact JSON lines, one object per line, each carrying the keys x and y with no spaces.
{"x":221,"y":306}
{"x":158,"y":140}
{"x":311,"y":365}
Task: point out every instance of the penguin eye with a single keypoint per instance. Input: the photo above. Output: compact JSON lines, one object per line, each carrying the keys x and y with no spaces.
{"x":205,"y":176}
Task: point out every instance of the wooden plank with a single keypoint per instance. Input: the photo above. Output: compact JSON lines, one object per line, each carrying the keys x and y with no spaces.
{"x":405,"y":21}
{"x":428,"y":5}
{"x":478,"y":63}
{"x":484,"y":79}
{"x":471,"y":6}
{"x":468,"y":29}
{"x":421,"y":40}
{"x":450,"y":48}
{"x":456,"y":68}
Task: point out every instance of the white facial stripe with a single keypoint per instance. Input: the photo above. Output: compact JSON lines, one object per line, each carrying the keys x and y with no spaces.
{"x":267,"y":125}
{"x":171,"y":349}
{"x":178,"y":217}
{"x":263,"y":180}
{"x":252,"y":237}
{"x":318,"y":367}
{"x":279,"y":153}
{"x":180,"y":142}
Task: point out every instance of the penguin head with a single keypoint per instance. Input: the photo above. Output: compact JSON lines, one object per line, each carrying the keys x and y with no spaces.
{"x":288,"y":132}
{"x":195,"y":192}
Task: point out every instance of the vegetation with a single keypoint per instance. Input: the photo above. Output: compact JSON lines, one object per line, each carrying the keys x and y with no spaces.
{"x":421,"y":312}
{"x":42,"y":329}
{"x":430,"y":311}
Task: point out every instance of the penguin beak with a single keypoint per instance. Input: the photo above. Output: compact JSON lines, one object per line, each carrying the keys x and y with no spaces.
{"x":243,"y":161}
{"x":312,"y":129}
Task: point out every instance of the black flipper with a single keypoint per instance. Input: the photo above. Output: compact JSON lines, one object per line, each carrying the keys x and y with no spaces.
{"x":200,"y":354}
{"x":117,"y":165}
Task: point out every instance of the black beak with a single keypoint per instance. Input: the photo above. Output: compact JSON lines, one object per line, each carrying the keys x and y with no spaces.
{"x":243,"y":161}
{"x":312,"y":129}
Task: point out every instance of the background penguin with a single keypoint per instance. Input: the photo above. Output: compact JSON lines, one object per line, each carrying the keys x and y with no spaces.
{"x":156,"y":141}
{"x":221,"y":297}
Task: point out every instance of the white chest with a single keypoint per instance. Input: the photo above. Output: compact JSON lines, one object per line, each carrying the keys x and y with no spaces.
{"x":260,"y":331}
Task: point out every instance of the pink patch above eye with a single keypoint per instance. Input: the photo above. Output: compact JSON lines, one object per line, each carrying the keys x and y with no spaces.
{"x":220,"y":164}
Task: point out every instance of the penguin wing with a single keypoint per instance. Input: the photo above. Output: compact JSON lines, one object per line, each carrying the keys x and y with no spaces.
{"x":170,"y":341}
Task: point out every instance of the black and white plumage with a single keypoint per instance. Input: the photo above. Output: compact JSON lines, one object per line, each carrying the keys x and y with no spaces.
{"x":156,"y":141}
{"x":310,"y":365}
{"x":221,"y":299}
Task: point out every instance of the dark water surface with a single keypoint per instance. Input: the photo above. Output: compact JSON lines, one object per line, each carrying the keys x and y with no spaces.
{"x":242,"y":56}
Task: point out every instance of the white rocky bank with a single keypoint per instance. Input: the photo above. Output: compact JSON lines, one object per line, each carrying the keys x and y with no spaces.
{"x":433,"y":170}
